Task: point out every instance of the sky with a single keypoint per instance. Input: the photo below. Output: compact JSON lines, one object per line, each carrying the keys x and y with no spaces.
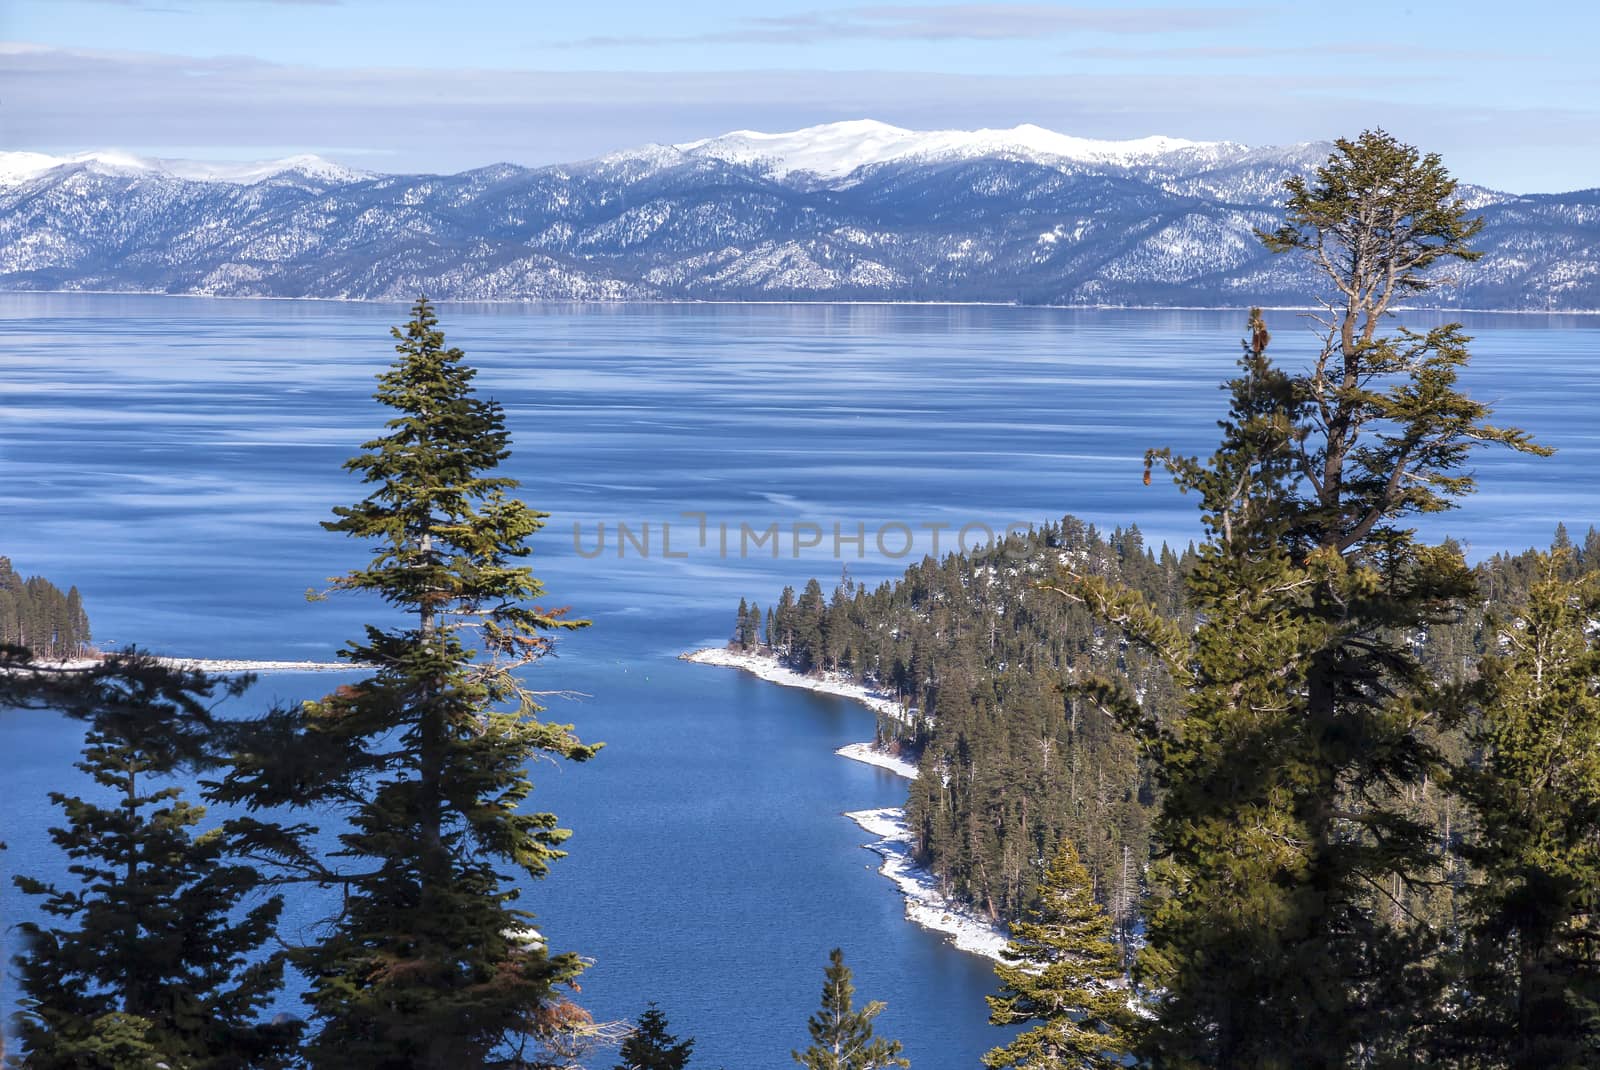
{"x":1509,"y":95}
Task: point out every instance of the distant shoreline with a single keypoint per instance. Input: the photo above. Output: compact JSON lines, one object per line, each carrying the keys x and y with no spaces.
{"x":926,"y":904}
{"x":618,"y":302}
{"x":218,"y":666}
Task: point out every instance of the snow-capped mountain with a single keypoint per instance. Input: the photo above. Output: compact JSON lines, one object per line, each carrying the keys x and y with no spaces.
{"x":847,"y":211}
{"x":837,"y":150}
{"x":19,"y":167}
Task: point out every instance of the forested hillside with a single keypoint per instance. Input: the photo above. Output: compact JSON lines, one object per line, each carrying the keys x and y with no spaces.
{"x":34,"y":613}
{"x":980,"y":655}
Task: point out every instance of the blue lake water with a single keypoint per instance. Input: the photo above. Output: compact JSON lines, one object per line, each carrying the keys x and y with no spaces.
{"x":172,"y":457}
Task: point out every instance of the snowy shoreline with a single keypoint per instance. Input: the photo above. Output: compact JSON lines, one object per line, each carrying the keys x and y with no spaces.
{"x":926,"y":905}
{"x":220,"y":666}
{"x":769,"y":668}
{"x":871,"y":755}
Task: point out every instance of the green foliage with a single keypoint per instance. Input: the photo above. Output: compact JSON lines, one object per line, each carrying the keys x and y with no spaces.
{"x":430,"y":963}
{"x":1062,"y":970}
{"x":113,"y":1041}
{"x":652,"y":1047}
{"x":1284,"y":930}
{"x":1529,"y":968}
{"x":747,"y":626}
{"x":841,"y":1036}
{"x":36,"y":615}
{"x":1378,"y":216}
{"x":156,"y":958}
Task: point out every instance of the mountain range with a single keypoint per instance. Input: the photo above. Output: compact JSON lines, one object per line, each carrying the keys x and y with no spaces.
{"x":855,"y":211}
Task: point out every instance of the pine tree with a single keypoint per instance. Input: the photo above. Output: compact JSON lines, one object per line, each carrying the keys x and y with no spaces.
{"x":157,"y":955}
{"x":430,"y":963}
{"x":784,"y":620}
{"x":1282,"y":931}
{"x":747,"y":626}
{"x":841,"y":1036}
{"x":652,"y":1047}
{"x":807,"y":635}
{"x":1062,"y":970}
{"x":1532,"y":958}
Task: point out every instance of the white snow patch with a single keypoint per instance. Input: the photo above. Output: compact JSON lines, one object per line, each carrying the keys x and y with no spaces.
{"x":871,"y":755}
{"x":925,"y":903}
{"x":834,"y":150}
{"x":769,"y":668}
{"x":213,"y":665}
{"x":19,"y":167}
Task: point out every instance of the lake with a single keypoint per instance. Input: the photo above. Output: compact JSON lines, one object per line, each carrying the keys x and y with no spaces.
{"x":173,"y":457}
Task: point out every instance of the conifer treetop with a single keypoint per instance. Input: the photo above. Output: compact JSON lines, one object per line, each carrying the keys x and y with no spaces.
{"x":1378,"y":215}
{"x":449,"y":537}
{"x":841,"y":1036}
{"x":1062,"y":970}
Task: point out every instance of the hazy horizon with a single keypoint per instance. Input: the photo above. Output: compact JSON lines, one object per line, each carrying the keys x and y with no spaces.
{"x":1510,"y":103}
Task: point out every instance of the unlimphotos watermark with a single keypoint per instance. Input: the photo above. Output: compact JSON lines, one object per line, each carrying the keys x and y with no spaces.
{"x":692,"y":533}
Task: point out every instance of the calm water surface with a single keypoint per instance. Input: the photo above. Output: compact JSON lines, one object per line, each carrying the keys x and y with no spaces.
{"x":172,"y":457}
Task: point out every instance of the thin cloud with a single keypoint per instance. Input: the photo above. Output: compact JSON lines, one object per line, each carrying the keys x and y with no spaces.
{"x":1374,"y":50}
{"x":188,"y":6}
{"x":955,"y":22}
{"x":57,"y":100}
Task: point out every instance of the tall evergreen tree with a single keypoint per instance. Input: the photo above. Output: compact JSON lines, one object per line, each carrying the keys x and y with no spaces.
{"x":156,"y":957}
{"x":1063,"y":971}
{"x":652,"y":1047}
{"x":753,"y":627}
{"x":741,"y":625}
{"x":807,"y":619}
{"x":1215,"y":946}
{"x":841,"y":1036}
{"x":430,"y":963}
{"x":747,"y":627}
{"x":1531,"y":982}
{"x":1286,"y":936}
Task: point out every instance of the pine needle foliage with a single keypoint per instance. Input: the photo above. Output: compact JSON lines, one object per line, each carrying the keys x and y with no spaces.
{"x":1530,"y":966}
{"x":1062,"y":970}
{"x":156,"y":954}
{"x":1284,"y":930}
{"x":430,"y":963}
{"x":841,"y":1036}
{"x":651,"y":1046}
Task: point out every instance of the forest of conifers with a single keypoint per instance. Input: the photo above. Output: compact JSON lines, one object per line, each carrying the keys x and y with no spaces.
{"x":1011,"y":762}
{"x":34,"y":613}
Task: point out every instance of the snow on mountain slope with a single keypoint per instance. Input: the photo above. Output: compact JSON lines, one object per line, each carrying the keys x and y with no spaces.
{"x":835,"y":150}
{"x":1021,"y":215}
{"x":20,"y":167}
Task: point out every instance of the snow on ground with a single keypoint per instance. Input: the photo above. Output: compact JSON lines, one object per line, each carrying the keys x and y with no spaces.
{"x":866,"y":752}
{"x":213,"y":665}
{"x":925,"y":903}
{"x":769,"y":668}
